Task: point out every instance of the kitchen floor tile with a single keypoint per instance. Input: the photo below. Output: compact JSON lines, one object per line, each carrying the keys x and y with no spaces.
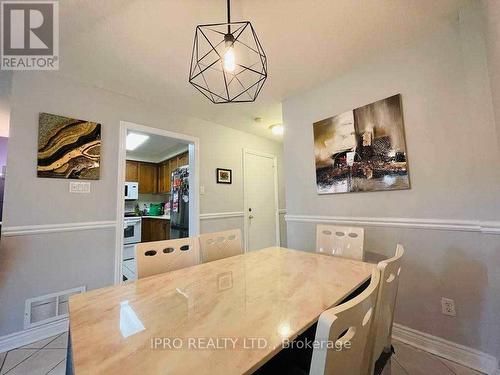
{"x":40,"y":363}
{"x":60,"y":369}
{"x":393,"y":368}
{"x":39,"y":344}
{"x":418,"y":362}
{"x":2,"y":359}
{"x":60,"y":342}
{"x":14,"y":357}
{"x":459,"y":369}
{"x":397,"y":369}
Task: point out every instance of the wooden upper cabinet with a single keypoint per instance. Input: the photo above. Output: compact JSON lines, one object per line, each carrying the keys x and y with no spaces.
{"x":154,"y":178}
{"x":132,"y":171}
{"x":182,"y":159}
{"x":148,"y":178}
{"x":164,"y":177}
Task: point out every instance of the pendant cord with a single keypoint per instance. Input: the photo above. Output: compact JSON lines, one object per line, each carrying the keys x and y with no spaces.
{"x":228,"y":16}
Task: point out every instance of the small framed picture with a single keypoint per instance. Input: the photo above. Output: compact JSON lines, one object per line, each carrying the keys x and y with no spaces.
{"x":224,"y":176}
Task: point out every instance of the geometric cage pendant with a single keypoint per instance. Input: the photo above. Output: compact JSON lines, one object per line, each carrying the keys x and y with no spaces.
{"x":228,"y":64}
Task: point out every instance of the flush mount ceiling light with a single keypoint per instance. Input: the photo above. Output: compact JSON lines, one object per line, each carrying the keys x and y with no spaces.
{"x":228,"y":64}
{"x":277,"y":129}
{"x":135,"y":140}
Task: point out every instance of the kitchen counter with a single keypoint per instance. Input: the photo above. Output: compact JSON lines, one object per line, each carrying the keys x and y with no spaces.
{"x":163,"y":217}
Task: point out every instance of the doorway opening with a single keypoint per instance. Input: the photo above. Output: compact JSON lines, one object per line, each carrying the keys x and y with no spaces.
{"x":157,"y":191}
{"x":260,"y":195}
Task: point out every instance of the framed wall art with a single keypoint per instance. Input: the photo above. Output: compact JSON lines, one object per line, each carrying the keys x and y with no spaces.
{"x":68,"y":148}
{"x":224,"y":176}
{"x":362,"y":149}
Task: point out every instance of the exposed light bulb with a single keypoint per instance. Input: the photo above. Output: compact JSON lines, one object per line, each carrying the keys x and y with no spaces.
{"x":229,"y":60}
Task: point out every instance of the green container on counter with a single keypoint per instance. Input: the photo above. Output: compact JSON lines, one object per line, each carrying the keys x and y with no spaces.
{"x":155,"y":209}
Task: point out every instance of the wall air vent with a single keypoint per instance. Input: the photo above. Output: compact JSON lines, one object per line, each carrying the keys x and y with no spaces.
{"x":48,"y":308}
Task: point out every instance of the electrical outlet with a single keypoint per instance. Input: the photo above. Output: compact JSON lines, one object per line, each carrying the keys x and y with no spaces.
{"x":448,"y":306}
{"x":79,"y":187}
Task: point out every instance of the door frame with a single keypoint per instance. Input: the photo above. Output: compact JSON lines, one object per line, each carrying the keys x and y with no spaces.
{"x":194,"y":183}
{"x":247,"y":151}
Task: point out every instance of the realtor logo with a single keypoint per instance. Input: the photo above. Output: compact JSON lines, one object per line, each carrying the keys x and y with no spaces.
{"x":30,"y":35}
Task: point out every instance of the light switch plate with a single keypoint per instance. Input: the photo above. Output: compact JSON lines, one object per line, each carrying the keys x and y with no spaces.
{"x":79,"y":187}
{"x":202,"y":190}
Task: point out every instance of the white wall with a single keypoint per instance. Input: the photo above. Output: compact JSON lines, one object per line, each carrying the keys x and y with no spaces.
{"x":31,"y":265}
{"x":492,"y":30}
{"x":453,"y":163}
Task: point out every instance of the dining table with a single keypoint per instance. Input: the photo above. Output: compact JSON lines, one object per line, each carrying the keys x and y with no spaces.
{"x":229,"y":316}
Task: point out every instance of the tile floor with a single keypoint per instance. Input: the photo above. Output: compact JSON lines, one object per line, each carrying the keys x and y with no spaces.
{"x":411,"y":361}
{"x":44,"y":357}
{"x":48,"y":357}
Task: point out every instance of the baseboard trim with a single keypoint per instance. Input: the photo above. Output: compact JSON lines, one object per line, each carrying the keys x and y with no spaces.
{"x":29,"y":336}
{"x":461,"y":354}
{"x":55,"y":228}
{"x":485,"y":227}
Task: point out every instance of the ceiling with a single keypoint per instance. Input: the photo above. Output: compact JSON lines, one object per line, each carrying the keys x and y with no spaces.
{"x":143,"y":48}
{"x":156,"y":148}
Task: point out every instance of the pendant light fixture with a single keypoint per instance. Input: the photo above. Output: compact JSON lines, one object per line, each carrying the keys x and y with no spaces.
{"x":228,"y":64}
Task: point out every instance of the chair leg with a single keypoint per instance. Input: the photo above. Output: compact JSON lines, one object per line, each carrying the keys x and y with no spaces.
{"x":383,"y":361}
{"x":387,"y":368}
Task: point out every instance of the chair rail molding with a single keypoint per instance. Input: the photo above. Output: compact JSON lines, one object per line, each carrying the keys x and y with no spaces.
{"x":227,"y":215}
{"x":454,"y":352}
{"x":485,"y":227}
{"x":55,"y":228}
{"x":221,"y":215}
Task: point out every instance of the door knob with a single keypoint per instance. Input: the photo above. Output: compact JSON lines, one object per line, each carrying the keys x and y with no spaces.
{"x":250,"y":216}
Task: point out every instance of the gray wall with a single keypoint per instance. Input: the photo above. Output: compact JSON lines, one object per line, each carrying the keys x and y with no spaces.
{"x":491,"y":15}
{"x":453,"y":162}
{"x":31,"y":265}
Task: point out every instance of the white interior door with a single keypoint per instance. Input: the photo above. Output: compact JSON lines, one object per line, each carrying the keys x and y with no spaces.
{"x":261,"y":200}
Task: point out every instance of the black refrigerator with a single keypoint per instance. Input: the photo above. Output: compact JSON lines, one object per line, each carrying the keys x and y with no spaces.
{"x":179,"y":203}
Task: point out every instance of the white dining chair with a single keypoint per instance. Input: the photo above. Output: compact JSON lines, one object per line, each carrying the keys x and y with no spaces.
{"x":347,"y":327}
{"x":218,"y":245}
{"x":346,"y":242}
{"x":390,"y":271}
{"x":163,"y":256}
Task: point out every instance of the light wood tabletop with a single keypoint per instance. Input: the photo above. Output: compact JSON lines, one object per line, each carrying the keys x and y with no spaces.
{"x":224,"y":317}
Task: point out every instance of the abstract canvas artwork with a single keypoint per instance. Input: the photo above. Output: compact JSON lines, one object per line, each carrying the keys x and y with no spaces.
{"x":68,"y":148}
{"x":362,"y":150}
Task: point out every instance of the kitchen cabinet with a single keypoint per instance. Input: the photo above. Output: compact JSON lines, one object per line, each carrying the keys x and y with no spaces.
{"x":166,"y":168}
{"x":182,"y":159}
{"x":148,"y":178}
{"x":154,"y":178}
{"x":155,"y":229}
{"x":172,"y":163}
{"x":164,"y":177}
{"x":132,"y":171}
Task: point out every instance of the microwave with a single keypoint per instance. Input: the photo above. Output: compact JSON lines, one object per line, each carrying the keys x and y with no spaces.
{"x":131,"y":190}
